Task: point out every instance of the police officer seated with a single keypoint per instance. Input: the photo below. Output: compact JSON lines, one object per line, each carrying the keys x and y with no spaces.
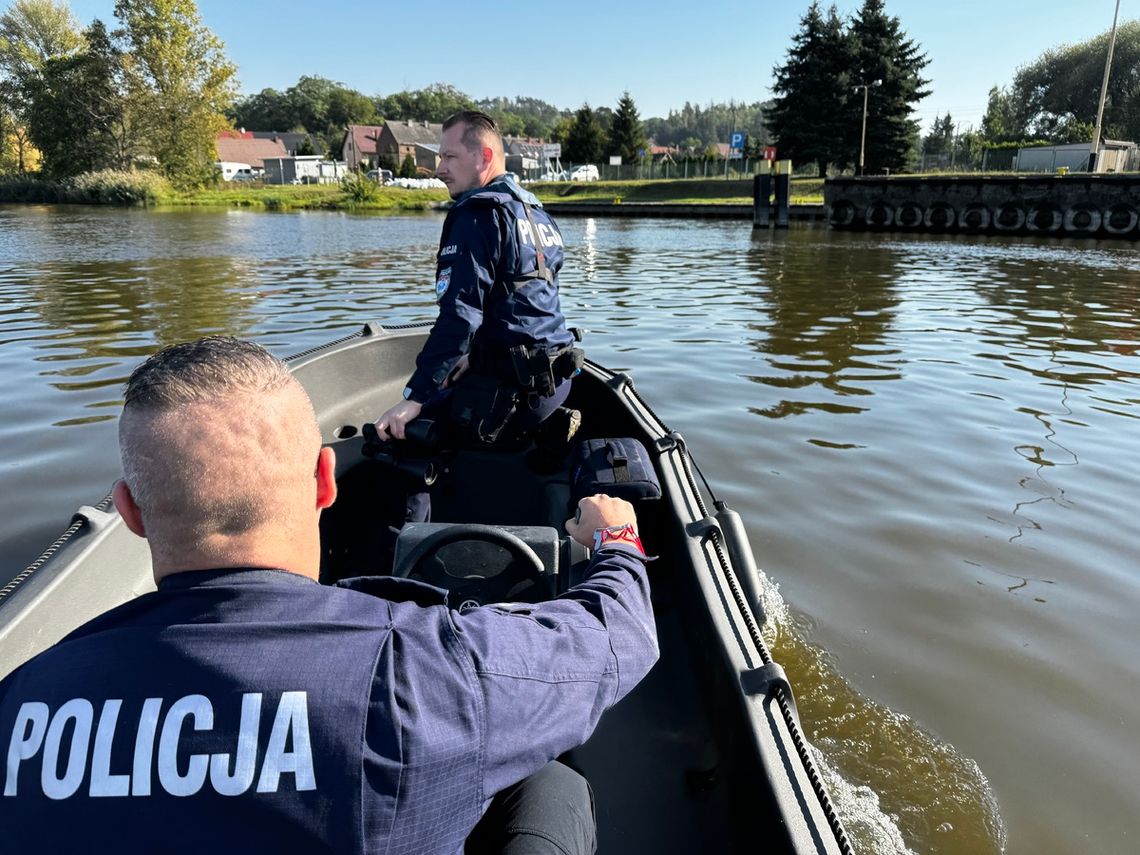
{"x":244,"y":707}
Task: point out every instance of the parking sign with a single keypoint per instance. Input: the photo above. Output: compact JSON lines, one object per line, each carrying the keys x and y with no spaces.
{"x":737,"y":140}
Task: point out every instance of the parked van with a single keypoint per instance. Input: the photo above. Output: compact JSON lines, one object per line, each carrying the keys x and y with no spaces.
{"x":383,"y":176}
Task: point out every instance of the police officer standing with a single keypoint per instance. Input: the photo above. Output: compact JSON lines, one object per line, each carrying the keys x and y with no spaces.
{"x":500,"y":342}
{"x":243,"y":707}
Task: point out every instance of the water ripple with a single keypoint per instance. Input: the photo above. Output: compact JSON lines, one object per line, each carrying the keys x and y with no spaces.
{"x":932,"y":440}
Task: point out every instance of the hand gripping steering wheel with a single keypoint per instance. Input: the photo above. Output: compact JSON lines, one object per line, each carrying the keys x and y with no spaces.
{"x":482,"y":589}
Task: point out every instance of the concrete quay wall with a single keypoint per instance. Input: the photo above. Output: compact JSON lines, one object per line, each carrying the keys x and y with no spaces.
{"x":684,"y":211}
{"x":1072,"y":205}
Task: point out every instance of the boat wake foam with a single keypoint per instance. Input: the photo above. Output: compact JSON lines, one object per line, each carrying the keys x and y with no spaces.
{"x":896,"y":788}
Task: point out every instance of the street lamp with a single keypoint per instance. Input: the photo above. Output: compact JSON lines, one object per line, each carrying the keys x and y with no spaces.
{"x":1095,"y":149}
{"x":863,"y":136}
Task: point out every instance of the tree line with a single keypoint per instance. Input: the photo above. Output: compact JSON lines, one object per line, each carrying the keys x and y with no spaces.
{"x":1052,"y":101}
{"x":154,"y":88}
{"x":1055,"y":97}
{"x":324,"y":107}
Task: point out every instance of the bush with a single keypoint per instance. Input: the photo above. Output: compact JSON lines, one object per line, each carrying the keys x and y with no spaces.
{"x":359,"y":188}
{"x":116,"y":187}
{"x":23,"y":188}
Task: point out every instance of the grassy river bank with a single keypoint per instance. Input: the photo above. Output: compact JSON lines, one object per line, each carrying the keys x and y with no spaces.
{"x":362,"y":195}
{"x":397,"y":199}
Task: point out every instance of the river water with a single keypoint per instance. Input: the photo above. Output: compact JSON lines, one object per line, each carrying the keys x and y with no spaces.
{"x":934,"y":442}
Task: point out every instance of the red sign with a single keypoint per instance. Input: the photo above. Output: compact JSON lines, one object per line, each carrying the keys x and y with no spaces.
{"x":770,"y":152}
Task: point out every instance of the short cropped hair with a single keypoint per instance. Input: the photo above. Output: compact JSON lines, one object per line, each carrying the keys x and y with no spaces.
{"x":479,"y":129}
{"x":201,"y":370}
{"x":238,"y":471}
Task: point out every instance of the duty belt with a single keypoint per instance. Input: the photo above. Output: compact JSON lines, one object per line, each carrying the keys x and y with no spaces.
{"x":531,"y":369}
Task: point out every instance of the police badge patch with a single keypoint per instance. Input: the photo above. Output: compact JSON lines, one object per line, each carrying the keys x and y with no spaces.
{"x":441,"y":283}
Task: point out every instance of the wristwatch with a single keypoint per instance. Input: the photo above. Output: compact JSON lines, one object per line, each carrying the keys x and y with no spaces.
{"x":618,"y":535}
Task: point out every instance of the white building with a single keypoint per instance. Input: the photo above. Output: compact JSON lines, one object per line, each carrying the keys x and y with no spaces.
{"x":1114,"y":156}
{"x":304,"y":169}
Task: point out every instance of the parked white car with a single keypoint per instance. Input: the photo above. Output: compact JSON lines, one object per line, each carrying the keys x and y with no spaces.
{"x":245,"y":175}
{"x":589,"y":172}
{"x":382,"y":176}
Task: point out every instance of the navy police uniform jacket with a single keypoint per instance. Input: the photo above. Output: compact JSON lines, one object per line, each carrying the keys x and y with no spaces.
{"x":257,"y":711}
{"x":488,"y":279}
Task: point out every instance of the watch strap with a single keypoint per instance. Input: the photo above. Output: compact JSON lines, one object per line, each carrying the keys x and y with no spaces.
{"x":618,"y":536}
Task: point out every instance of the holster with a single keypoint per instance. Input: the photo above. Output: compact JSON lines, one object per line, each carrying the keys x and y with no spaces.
{"x":481,"y":407}
{"x":531,"y":369}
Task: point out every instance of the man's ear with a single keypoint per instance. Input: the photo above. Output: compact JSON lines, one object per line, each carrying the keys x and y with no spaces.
{"x":488,"y":157}
{"x":128,"y":510}
{"x":326,"y":478}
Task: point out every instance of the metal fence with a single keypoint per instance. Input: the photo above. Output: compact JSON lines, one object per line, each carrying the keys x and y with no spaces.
{"x":736,"y":170}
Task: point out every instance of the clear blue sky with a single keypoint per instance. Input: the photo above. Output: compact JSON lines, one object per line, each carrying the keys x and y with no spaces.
{"x":591,"y":51}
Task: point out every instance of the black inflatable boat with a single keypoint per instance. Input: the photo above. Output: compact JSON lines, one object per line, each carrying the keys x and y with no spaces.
{"x":706,"y":755}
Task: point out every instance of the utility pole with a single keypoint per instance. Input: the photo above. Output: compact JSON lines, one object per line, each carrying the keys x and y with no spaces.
{"x":1095,"y":149}
{"x":863,"y":137}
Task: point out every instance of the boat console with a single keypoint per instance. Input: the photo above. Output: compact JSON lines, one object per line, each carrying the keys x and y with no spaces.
{"x":498,"y":524}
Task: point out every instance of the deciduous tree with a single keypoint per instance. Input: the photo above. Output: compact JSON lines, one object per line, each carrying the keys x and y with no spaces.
{"x":179,"y":80}
{"x":432,"y":104}
{"x":77,"y":112}
{"x":32,"y":32}
{"x":1003,"y":121}
{"x":314,"y":104}
{"x":1056,"y":96}
{"x":267,"y":110}
{"x":940,"y":140}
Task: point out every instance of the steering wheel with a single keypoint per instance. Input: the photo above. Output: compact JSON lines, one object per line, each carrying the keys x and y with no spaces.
{"x":482,"y":589}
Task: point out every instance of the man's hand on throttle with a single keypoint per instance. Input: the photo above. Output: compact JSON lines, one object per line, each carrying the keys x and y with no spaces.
{"x":596,"y":512}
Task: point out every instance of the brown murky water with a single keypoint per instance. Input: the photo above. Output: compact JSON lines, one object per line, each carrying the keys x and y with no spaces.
{"x":934,"y":443}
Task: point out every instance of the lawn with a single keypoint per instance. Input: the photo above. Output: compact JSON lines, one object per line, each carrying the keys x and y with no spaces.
{"x":277,"y":197}
{"x":697,"y":191}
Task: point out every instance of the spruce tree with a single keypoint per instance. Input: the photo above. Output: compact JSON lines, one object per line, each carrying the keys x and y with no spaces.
{"x":627,"y":134}
{"x":585,"y":139}
{"x":881,"y":51}
{"x":809,"y":115}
